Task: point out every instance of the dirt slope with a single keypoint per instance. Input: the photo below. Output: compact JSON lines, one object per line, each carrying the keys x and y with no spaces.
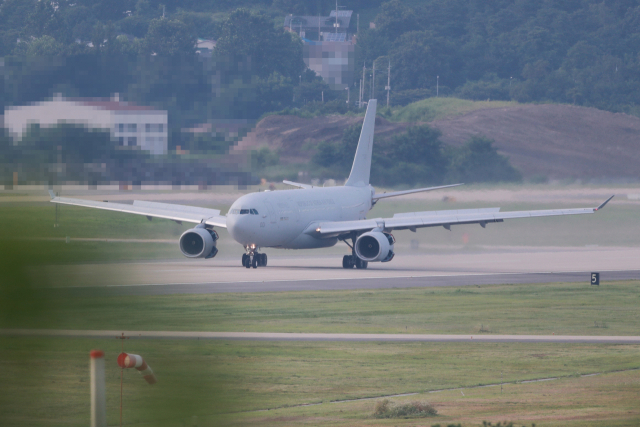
{"x":557,"y":141}
{"x":296,"y":138}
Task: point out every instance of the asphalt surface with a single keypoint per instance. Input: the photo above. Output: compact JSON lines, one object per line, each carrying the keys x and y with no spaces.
{"x":351,"y":283}
{"x":275,"y":336}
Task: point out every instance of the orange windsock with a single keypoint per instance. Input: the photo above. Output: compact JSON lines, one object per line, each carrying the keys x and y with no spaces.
{"x":126,"y":360}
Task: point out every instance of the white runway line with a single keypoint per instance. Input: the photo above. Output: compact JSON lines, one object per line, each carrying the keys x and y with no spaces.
{"x":287,"y":336}
{"x":424,"y":276}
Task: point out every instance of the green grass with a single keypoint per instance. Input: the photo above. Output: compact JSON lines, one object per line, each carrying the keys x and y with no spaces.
{"x":45,"y":381}
{"x":563,"y":309}
{"x":430,"y":109}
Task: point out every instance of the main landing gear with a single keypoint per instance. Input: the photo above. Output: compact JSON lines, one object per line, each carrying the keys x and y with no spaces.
{"x":350,"y":261}
{"x":253,"y":259}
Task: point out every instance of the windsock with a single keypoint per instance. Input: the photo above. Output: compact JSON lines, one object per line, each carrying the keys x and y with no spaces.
{"x":126,"y":360}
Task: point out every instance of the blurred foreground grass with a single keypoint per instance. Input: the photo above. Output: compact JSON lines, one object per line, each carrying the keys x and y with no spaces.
{"x":215,"y":379}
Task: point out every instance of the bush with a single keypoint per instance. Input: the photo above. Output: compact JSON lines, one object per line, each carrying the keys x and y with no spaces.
{"x":386,"y":409}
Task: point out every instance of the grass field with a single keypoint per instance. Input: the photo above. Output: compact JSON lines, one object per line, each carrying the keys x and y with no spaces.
{"x":563,"y":309}
{"x":430,"y":109}
{"x":45,"y":381}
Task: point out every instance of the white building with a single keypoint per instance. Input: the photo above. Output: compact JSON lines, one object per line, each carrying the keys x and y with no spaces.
{"x":129,"y":124}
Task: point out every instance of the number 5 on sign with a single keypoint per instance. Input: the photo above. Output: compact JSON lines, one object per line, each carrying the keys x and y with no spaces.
{"x":595,"y":279}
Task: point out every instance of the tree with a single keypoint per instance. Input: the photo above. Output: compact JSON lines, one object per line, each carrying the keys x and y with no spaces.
{"x":250,"y":39}
{"x":395,"y":19}
{"x":479,"y":161}
{"x":170,"y":39}
{"x":413,"y":157}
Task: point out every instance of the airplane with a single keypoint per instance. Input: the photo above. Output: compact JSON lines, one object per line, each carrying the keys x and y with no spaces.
{"x":314,"y":217}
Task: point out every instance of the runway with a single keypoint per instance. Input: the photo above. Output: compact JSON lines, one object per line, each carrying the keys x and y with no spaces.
{"x":507,"y":265}
{"x":351,"y":283}
{"x":275,"y":336}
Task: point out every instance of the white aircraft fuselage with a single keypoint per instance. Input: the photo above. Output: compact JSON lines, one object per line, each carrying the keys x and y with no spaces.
{"x":280,"y":218}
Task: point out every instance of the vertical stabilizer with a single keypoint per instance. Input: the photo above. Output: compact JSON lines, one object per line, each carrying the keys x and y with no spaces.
{"x":361,"y":168}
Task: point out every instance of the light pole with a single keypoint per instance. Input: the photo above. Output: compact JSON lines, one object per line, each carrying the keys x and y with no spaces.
{"x":437,"y":86}
{"x":510,"y":80}
{"x":348,"y":93}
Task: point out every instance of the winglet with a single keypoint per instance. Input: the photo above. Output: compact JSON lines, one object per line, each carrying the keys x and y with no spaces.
{"x":602,"y":205}
{"x":52,"y":194}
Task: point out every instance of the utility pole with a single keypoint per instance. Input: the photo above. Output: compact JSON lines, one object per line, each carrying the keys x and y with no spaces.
{"x":437,"y":86}
{"x":360,"y":95}
{"x":388,"y":88}
{"x":373,"y":81}
{"x":358,"y":23}
{"x":364,"y":80}
{"x":336,"y":25}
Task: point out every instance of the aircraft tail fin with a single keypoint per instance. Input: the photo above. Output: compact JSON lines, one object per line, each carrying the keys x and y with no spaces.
{"x":361,"y":169}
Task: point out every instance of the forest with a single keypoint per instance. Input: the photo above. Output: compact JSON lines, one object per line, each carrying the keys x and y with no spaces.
{"x":582,"y":52}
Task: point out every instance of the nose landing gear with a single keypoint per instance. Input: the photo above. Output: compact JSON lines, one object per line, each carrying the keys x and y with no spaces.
{"x":253,"y":259}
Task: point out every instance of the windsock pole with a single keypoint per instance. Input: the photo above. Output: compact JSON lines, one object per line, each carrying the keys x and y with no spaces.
{"x":126,"y":360}
{"x":98,"y":392}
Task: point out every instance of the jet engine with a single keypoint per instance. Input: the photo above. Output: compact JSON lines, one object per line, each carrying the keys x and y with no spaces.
{"x":375,"y":246}
{"x":199,"y":243}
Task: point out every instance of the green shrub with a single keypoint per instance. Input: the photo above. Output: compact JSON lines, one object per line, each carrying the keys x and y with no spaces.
{"x":386,"y":409}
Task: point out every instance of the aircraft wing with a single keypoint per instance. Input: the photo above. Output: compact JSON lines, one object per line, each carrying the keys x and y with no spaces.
{"x":414,"y":220}
{"x":178,"y":213}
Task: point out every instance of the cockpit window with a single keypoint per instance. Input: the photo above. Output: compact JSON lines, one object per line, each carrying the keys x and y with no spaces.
{"x":243,"y":211}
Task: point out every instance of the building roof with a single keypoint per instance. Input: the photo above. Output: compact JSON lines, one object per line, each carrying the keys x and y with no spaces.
{"x":322,"y":22}
{"x":110,"y":104}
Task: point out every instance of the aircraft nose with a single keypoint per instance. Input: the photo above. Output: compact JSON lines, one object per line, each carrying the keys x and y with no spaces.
{"x":238,"y":228}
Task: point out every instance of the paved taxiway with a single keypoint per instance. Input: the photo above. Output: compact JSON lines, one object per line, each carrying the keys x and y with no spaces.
{"x":281,"y":336}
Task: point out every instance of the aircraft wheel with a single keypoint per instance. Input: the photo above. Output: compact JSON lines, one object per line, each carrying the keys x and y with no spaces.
{"x":254,"y":261}
{"x":360,"y":264}
{"x":264,"y":260}
{"x":244,"y":259}
{"x":347,"y":261}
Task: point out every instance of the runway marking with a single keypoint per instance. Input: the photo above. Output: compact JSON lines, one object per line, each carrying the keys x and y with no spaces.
{"x":288,"y":336}
{"x":344,"y":278}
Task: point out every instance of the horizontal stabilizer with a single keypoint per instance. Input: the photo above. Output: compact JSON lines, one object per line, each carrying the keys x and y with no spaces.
{"x":417,"y":190}
{"x":297,"y":184}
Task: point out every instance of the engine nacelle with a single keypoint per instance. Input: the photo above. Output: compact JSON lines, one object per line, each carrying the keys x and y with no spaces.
{"x":199,"y":243}
{"x":375,"y":246}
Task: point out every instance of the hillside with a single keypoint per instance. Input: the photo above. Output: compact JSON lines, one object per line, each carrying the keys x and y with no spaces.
{"x":554,"y":141}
